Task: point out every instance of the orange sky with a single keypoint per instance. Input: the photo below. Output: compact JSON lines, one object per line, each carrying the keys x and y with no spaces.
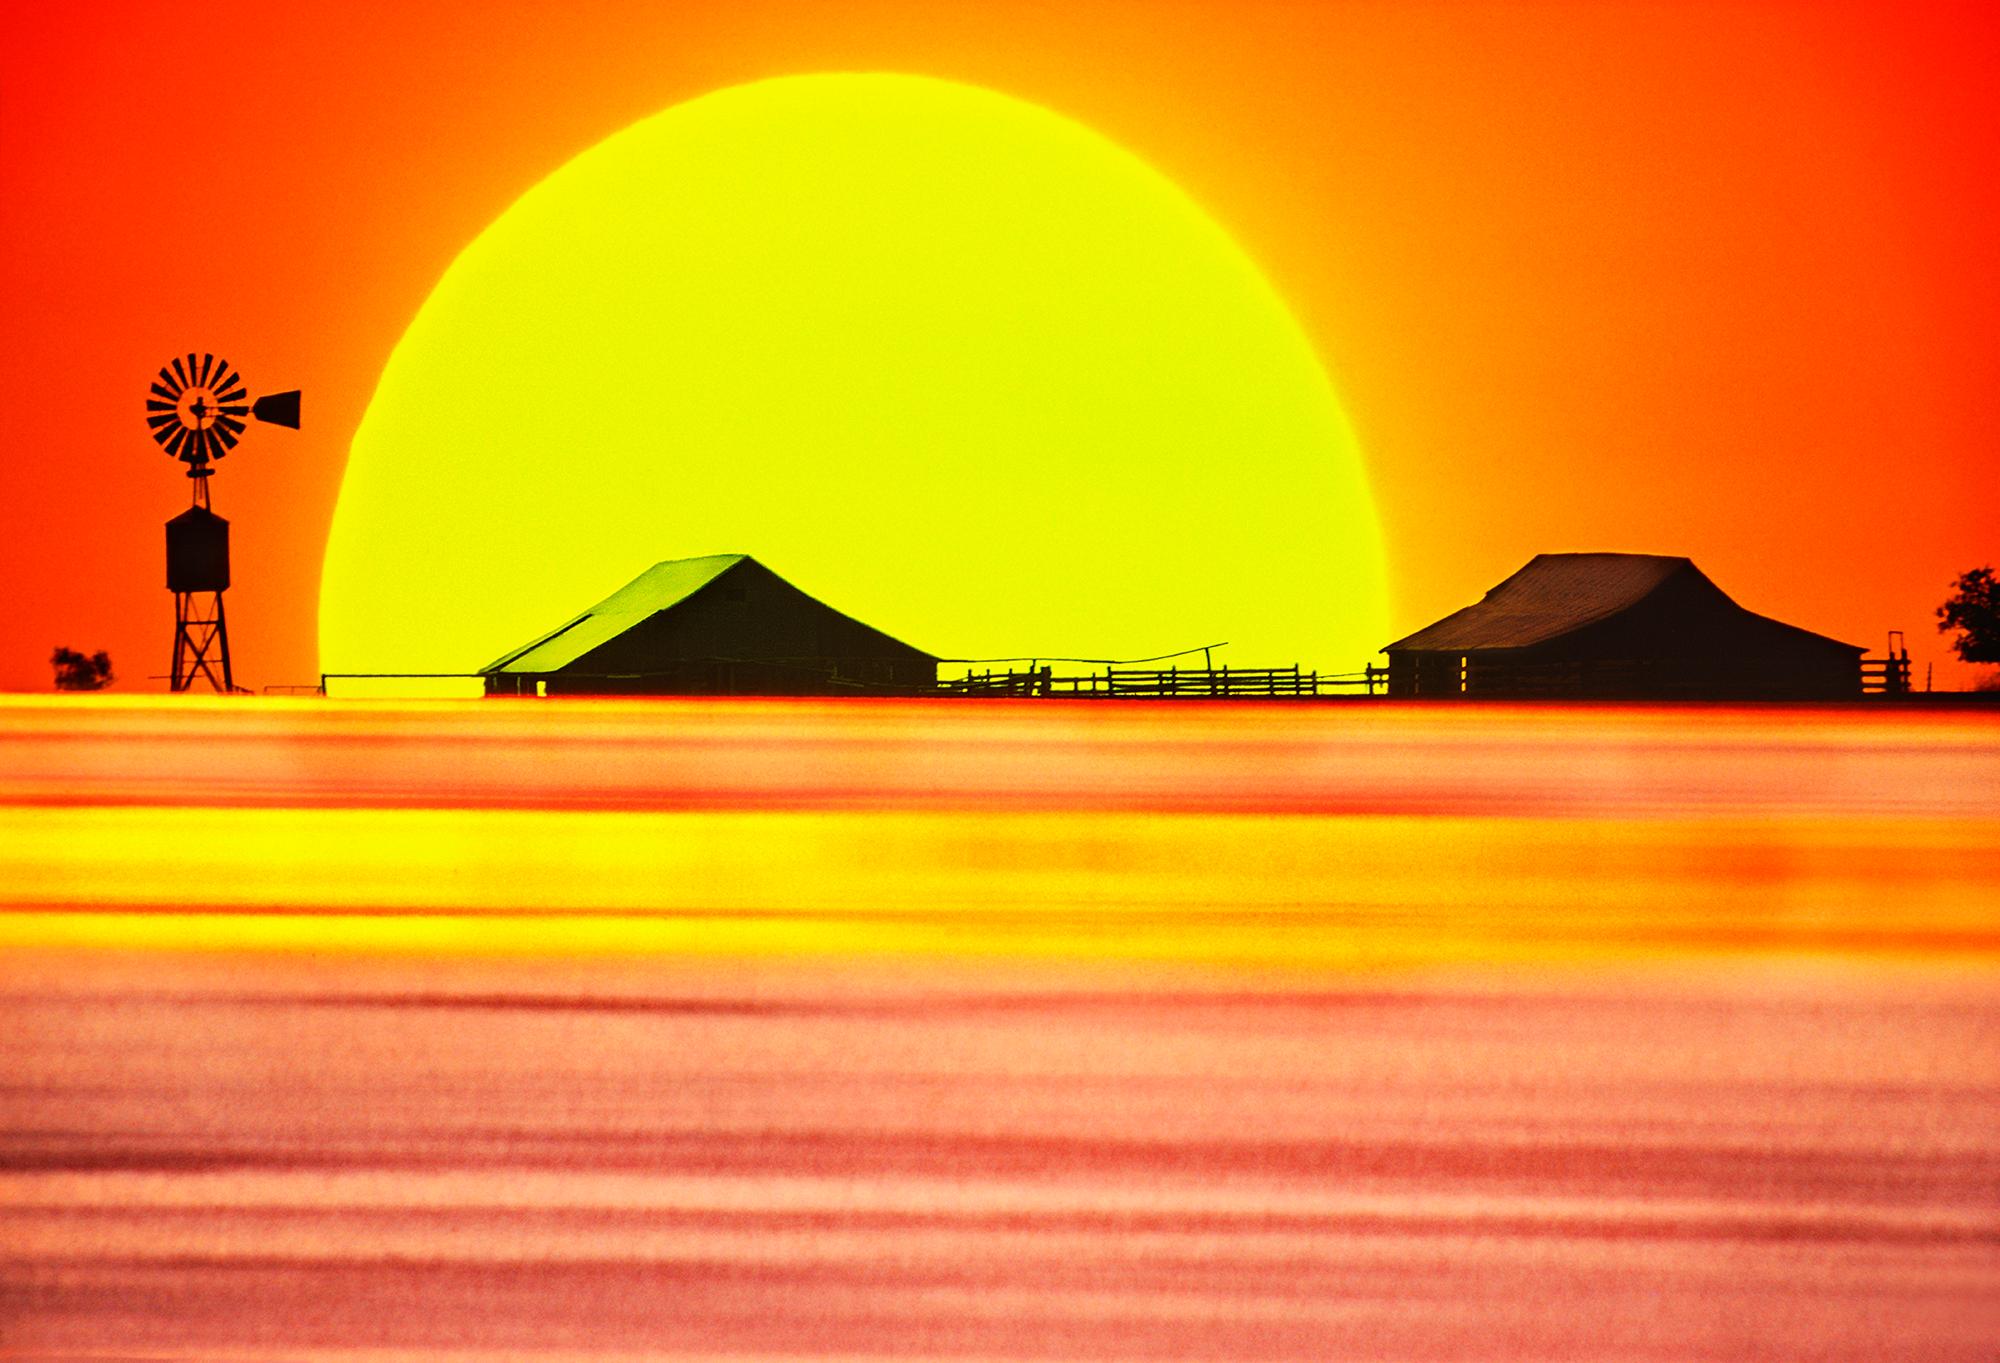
{"x":1719,"y":281}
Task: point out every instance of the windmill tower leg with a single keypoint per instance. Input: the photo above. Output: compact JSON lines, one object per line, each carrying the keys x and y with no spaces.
{"x":201,"y":641}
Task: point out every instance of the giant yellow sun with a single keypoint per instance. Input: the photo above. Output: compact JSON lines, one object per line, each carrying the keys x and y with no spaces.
{"x":953,"y":363}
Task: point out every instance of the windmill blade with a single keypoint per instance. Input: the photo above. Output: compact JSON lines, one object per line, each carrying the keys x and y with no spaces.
{"x":278,"y":409}
{"x":225,"y":406}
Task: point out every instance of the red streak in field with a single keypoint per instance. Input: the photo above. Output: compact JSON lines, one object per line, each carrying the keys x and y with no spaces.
{"x":1238,"y":757}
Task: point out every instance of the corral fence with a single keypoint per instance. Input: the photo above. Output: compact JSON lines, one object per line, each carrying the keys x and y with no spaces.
{"x":1169,"y":683}
{"x":1888,"y":675}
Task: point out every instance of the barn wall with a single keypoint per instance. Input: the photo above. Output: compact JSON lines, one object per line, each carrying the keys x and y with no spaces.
{"x":1417,"y":673}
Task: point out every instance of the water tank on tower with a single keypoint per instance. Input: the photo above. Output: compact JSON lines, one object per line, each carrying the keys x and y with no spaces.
{"x":197,"y":551}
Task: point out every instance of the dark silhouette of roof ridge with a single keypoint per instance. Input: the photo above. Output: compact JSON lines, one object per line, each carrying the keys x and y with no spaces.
{"x":665,"y":584}
{"x":1552,"y":595}
{"x":661,"y":587}
{"x":1791,"y":628}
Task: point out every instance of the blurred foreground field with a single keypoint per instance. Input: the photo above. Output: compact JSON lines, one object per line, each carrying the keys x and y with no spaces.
{"x":997,"y":1031}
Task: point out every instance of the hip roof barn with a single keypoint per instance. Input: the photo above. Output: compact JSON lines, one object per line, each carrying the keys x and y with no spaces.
{"x":1618,"y":626}
{"x":721,"y":625}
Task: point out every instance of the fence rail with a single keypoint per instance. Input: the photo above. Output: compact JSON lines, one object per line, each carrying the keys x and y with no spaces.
{"x":1170,"y":683}
{"x":1888,"y":676}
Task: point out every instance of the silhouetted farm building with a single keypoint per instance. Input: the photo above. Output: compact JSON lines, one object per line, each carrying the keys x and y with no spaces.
{"x":722,"y":625}
{"x":1618,"y":626}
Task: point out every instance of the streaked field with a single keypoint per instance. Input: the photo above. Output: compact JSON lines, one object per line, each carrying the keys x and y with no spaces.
{"x":998,"y":1031}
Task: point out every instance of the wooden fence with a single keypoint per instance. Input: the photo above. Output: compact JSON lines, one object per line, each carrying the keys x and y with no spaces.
{"x":1888,"y":676}
{"x":1170,"y":683}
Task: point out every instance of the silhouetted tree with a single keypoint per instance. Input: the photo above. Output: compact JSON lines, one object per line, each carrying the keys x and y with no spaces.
{"x":74,"y":672}
{"x":1973,"y":609}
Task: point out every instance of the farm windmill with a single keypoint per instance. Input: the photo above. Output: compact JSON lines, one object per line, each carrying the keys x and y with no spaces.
{"x":196,"y":411}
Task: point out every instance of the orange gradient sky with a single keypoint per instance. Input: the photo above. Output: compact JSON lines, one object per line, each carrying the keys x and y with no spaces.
{"x":1713,"y":280}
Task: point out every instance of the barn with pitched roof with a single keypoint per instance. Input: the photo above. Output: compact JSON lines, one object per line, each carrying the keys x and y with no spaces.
{"x":1637,"y":626}
{"x":720,"y":625}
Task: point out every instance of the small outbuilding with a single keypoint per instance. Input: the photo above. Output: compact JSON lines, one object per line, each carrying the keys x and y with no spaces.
{"x":1619,"y":626}
{"x":721,"y":625}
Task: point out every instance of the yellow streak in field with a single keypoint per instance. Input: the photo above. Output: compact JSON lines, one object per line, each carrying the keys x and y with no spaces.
{"x":1284,"y":889}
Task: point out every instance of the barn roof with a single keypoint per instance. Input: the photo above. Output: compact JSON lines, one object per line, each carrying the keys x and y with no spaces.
{"x":661,"y":586}
{"x":1554,"y":595}
{"x":1558,"y":594}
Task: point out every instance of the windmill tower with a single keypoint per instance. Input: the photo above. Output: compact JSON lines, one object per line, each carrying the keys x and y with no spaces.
{"x":196,"y":413}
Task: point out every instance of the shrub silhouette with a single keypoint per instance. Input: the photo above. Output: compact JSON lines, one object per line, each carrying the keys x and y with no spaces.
{"x":74,"y":672}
